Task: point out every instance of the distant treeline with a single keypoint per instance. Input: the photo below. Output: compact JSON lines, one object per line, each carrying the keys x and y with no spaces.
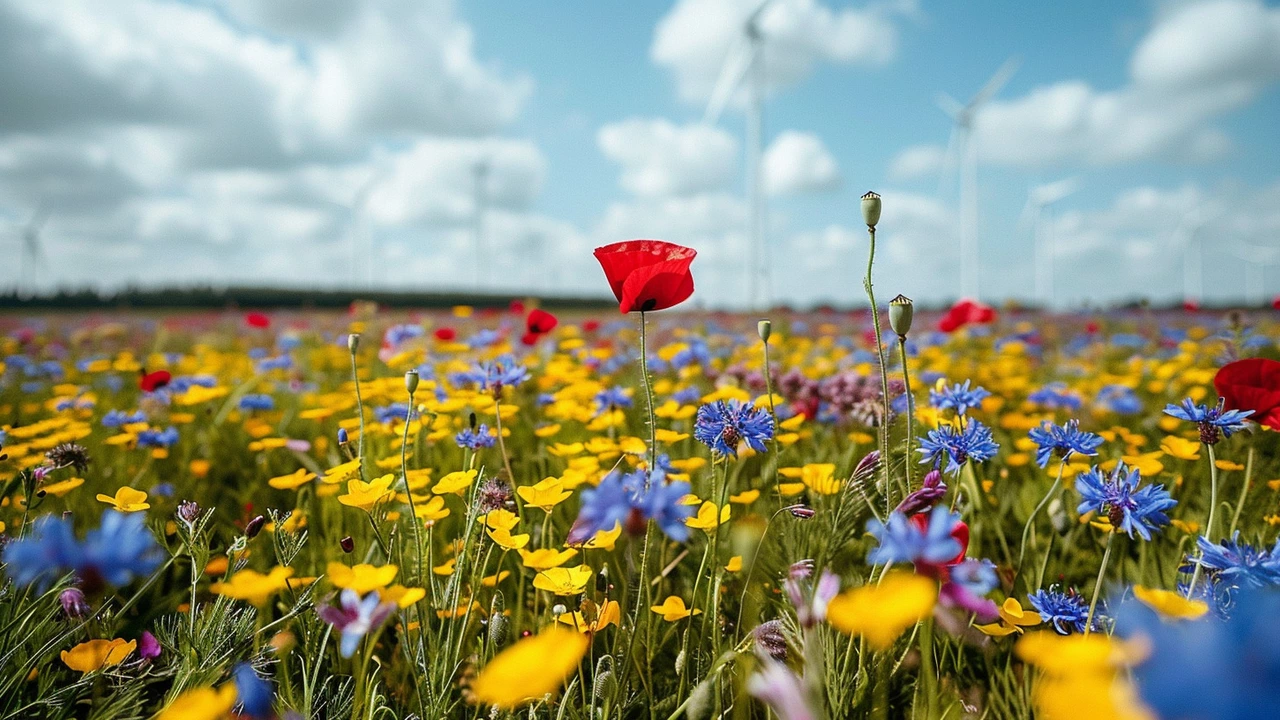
{"x":264,"y":297}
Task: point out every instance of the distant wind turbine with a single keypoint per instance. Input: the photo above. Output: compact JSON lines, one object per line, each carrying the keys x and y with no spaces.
{"x":962,"y":147}
{"x":361,"y":237}
{"x":1257,"y":259}
{"x":1186,"y":237}
{"x":33,"y":257}
{"x":1039,"y":201}
{"x":480,"y":187}
{"x":745,"y":61}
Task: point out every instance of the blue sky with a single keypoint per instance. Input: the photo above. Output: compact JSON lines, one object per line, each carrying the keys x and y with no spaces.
{"x":227,"y":141}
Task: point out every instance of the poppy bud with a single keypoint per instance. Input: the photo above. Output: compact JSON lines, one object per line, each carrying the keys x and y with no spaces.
{"x":764,"y":329}
{"x":347,"y":544}
{"x":802,"y":512}
{"x":411,"y":382}
{"x":871,"y":209}
{"x":900,"y":313}
{"x":353,"y":342}
{"x":254,"y":527}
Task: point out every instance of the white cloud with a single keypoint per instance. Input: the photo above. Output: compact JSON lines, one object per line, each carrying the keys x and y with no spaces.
{"x":916,"y":162}
{"x":661,"y":158}
{"x":695,"y":37}
{"x":797,"y":162}
{"x":1199,"y":62}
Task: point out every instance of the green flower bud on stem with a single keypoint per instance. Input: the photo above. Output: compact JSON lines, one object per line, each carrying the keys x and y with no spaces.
{"x":764,"y":329}
{"x":353,"y":342}
{"x":411,"y":382}
{"x":901,"y":311}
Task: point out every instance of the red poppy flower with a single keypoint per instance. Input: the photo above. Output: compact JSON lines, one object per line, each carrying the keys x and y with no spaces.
{"x":961,"y":534}
{"x":1275,"y":303}
{"x":1191,"y":306}
{"x":152,"y":381}
{"x":257,"y":319}
{"x":540,"y":322}
{"x":647,"y":275}
{"x":1252,"y":384}
{"x":516,"y":307}
{"x":446,"y":334}
{"x":966,"y":312}
{"x":591,"y":326}
{"x":1093,"y":327}
{"x":529,"y":339}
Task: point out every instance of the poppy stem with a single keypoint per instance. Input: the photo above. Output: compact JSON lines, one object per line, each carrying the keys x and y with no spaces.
{"x":648,"y":396}
{"x":1097,"y":585}
{"x":884,"y":372}
{"x":355,"y":377}
{"x":906,"y":382}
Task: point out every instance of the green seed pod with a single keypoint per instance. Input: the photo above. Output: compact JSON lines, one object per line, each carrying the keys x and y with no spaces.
{"x":871,"y":209}
{"x":901,"y":311}
{"x":499,"y":627}
{"x":353,"y":342}
{"x":605,"y":684}
{"x":764,"y":329}
{"x":411,"y":382}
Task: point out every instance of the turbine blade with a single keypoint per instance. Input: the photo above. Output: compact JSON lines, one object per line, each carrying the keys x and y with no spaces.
{"x":736,"y":64}
{"x":996,"y":82}
{"x":952,"y":107}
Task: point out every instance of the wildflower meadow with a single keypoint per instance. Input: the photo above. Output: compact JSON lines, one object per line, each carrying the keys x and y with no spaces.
{"x":658,"y":513}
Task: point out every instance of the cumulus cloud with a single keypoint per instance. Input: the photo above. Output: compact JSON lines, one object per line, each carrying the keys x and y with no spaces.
{"x":1198,"y":62}
{"x":693,"y":40}
{"x":797,"y":162}
{"x":659,"y":157}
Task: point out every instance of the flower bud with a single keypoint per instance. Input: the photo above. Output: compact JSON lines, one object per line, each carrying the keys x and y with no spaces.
{"x":411,"y":382}
{"x":188,"y":511}
{"x":353,"y":343}
{"x":471,"y":420}
{"x":343,"y":438}
{"x":764,"y":329}
{"x":900,"y":313}
{"x":74,"y":603}
{"x":499,"y":626}
{"x":867,"y":465}
{"x":802,"y":512}
{"x":871,"y":209}
{"x":347,"y":544}
{"x":254,"y":527}
{"x":605,"y":683}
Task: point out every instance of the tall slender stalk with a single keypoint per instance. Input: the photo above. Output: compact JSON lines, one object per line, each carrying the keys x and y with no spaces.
{"x":884,"y":371}
{"x":1097,"y":585}
{"x":1213,"y":506}
{"x":1026,"y":529}
{"x":648,"y":396}
{"x":353,"y":344}
{"x":911,"y":404}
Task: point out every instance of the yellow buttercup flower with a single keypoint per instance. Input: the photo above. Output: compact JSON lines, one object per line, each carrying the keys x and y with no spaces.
{"x":880,"y":613}
{"x":432,"y":510}
{"x":97,"y":654}
{"x":1170,"y":604}
{"x":545,"y":494}
{"x":367,"y":495}
{"x":500,"y":519}
{"x":820,"y":478}
{"x":531,"y":669}
{"x":292,"y":481}
{"x":1181,"y":448}
{"x":708,"y":518}
{"x":362,"y":578}
{"x":673,"y":609}
{"x":1013,"y":617}
{"x":202,"y":704}
{"x":563,"y":581}
{"x":252,"y":586}
{"x":507,"y":541}
{"x":402,"y":596}
{"x":745,"y":497}
{"x":604,"y":539}
{"x":455,"y":482}
{"x":546,"y":558}
{"x":605,"y":615}
{"x":339,"y":474}
{"x":127,"y":500}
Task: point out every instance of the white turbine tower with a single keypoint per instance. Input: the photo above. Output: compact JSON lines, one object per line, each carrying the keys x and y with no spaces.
{"x":480,"y":188}
{"x":963,"y":147}
{"x":33,"y":257}
{"x":1186,"y":237}
{"x":745,"y":62}
{"x":1039,"y":201}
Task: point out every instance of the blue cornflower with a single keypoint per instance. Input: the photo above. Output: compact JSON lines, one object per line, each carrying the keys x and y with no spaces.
{"x":1066,"y":611}
{"x":257,"y":401}
{"x":1233,"y":564}
{"x":397,"y":334}
{"x":355,"y":617}
{"x":958,"y":397}
{"x":687,"y":396}
{"x":1215,"y":422}
{"x":721,"y":425}
{"x":623,"y":499}
{"x":280,"y":362}
{"x":253,"y":692}
{"x":393,"y":413}
{"x":1055,"y":396}
{"x":973,"y":443}
{"x":978,"y":577}
{"x":1118,"y":497}
{"x":1119,"y":399}
{"x":475,"y":439}
{"x":493,"y":375}
{"x":113,"y":554}
{"x":614,"y":397}
{"x":158,"y":438}
{"x":1211,"y":668}
{"x":902,"y":541}
{"x":116,"y":418}
{"x":1063,"y":441}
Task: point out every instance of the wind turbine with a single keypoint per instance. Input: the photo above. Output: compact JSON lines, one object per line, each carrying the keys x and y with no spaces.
{"x":480,"y":188}
{"x":745,"y":62}
{"x":1187,"y":237}
{"x":33,"y":256}
{"x":361,"y":237}
{"x":1039,"y":200}
{"x":962,"y":146}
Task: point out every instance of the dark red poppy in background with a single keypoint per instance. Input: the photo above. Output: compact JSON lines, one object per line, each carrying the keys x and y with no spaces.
{"x":152,"y":381}
{"x":966,"y":312}
{"x":516,"y":307}
{"x":647,"y":275}
{"x":447,"y":334}
{"x":540,"y":322}
{"x":257,"y":319}
{"x":1252,"y":384}
{"x":1191,"y":306}
{"x":591,"y":326}
{"x":1275,"y":303}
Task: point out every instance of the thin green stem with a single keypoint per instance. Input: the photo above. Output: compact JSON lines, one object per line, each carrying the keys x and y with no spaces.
{"x":355,"y":377}
{"x":1097,"y":585}
{"x":884,"y":372}
{"x":1213,"y":507}
{"x":648,"y":396}
{"x":911,"y":404}
{"x":1026,"y":529}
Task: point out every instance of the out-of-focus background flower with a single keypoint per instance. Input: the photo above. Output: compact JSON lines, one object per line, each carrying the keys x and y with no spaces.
{"x":1056,"y":152}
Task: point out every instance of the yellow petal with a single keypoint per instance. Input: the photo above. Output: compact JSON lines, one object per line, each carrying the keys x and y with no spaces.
{"x":530,"y":669}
